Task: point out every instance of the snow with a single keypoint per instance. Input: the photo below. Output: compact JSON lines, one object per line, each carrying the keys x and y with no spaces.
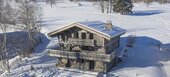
{"x":100,"y":27}
{"x":149,"y":24}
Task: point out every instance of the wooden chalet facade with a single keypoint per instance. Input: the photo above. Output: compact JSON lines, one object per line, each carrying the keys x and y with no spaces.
{"x":89,"y":45}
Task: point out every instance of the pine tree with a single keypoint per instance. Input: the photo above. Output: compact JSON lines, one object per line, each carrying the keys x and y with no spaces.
{"x":122,"y":6}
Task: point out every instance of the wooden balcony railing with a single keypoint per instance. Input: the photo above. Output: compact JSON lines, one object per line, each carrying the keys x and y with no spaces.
{"x":82,"y":55}
{"x":85,"y":42}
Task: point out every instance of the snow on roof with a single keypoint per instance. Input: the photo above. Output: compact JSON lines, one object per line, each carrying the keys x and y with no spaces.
{"x":100,"y":26}
{"x":95,"y":27}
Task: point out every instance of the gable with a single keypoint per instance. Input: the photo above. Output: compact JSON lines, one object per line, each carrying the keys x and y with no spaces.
{"x":101,"y":27}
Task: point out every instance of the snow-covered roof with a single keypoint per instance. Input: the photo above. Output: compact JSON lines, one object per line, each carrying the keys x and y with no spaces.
{"x":95,"y":27}
{"x":100,"y":26}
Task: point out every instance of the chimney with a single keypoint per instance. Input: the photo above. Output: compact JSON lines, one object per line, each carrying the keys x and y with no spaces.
{"x":109,"y":25}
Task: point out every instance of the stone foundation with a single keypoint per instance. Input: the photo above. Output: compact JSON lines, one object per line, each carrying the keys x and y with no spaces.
{"x":87,"y":65}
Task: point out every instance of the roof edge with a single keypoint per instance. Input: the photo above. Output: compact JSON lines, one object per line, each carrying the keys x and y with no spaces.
{"x":67,"y":26}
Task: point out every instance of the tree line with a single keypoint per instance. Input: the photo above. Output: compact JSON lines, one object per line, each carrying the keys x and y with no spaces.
{"x":122,"y":6}
{"x":118,"y":6}
{"x":25,"y":17}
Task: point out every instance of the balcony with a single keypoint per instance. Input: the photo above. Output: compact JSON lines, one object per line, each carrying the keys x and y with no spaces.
{"x":88,"y":55}
{"x":85,"y":42}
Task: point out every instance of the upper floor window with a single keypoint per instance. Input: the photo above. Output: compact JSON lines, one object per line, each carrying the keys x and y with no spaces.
{"x":90,"y":36}
{"x":76,"y":35}
{"x":83,"y":35}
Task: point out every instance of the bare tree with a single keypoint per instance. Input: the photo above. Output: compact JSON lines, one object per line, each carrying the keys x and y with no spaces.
{"x":148,"y":2}
{"x":102,"y":5}
{"x":118,"y":6}
{"x":30,"y":18}
{"x":163,"y":1}
{"x":51,"y":2}
{"x":109,"y":5}
{"x":4,"y":9}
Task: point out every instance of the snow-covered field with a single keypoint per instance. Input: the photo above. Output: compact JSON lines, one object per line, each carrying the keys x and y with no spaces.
{"x":151,"y":25}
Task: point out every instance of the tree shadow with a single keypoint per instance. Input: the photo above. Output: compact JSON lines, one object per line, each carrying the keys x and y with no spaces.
{"x":147,"y":13}
{"x":43,"y":43}
{"x":145,"y":53}
{"x":137,"y":29}
{"x":18,"y":41}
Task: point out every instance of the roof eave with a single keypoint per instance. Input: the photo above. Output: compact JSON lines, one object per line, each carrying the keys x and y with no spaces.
{"x":53,"y":33}
{"x":119,"y":34}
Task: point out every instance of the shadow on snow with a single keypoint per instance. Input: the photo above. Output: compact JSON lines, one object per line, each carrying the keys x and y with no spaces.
{"x":145,"y":53}
{"x":19,"y":39}
{"x":146,"y":13}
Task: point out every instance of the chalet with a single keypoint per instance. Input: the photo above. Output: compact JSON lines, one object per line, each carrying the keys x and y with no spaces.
{"x":89,"y":45}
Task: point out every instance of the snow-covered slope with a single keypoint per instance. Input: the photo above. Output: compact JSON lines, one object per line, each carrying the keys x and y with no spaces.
{"x":149,"y":24}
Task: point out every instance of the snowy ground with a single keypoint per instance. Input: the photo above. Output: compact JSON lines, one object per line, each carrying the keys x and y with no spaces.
{"x":149,"y":24}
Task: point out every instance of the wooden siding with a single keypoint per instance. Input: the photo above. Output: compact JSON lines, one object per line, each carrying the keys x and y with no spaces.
{"x":85,"y":42}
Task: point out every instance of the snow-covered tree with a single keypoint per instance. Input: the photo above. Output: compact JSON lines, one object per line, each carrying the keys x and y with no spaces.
{"x":122,"y":6}
{"x":30,"y":18}
{"x":4,"y":17}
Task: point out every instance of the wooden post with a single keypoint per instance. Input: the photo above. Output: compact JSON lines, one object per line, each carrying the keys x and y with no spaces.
{"x":79,"y":34}
{"x":118,"y":41}
{"x":72,"y":35}
{"x":65,"y":38}
{"x":103,"y":41}
{"x":60,"y":38}
{"x":104,"y":67}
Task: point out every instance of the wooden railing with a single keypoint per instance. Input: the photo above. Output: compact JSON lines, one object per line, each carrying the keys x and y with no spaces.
{"x":85,"y":42}
{"x":82,"y":55}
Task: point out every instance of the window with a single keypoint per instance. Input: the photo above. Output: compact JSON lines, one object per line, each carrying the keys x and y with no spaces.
{"x":91,"y":36}
{"x":83,"y":35}
{"x":76,"y":35}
